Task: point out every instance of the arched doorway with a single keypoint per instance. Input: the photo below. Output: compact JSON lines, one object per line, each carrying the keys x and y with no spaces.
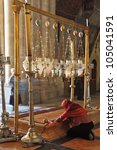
{"x":93,"y":77}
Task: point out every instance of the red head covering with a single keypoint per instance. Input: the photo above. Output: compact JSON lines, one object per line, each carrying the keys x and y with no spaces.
{"x":68,"y":105}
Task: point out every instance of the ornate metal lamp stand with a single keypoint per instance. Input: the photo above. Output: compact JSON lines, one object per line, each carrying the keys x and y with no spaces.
{"x":32,"y":136}
{"x":88,"y":67}
{"x":89,"y":100}
{"x":5,"y":133}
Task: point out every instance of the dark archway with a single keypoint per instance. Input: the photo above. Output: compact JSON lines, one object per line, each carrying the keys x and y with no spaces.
{"x":93,"y":77}
{"x":79,"y":87}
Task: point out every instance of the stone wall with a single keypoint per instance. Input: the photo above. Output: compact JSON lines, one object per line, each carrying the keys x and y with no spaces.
{"x":44,"y":90}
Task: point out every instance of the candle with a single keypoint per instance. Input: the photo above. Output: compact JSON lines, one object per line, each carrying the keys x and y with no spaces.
{"x":72,"y":49}
{"x":87,"y":22}
{"x":60,"y":72}
{"x":53,"y":72}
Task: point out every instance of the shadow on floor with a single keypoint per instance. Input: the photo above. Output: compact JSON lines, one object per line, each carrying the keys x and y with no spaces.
{"x":52,"y":146}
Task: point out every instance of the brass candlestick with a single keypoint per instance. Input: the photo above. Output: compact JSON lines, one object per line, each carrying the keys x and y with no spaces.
{"x":89,"y":99}
{"x":86,"y":66}
{"x":32,"y":136}
{"x":88,"y":93}
{"x":6,"y":134}
{"x":72,"y":86}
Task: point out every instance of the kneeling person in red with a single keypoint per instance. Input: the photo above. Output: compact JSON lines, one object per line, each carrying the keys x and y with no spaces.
{"x":79,"y":122}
